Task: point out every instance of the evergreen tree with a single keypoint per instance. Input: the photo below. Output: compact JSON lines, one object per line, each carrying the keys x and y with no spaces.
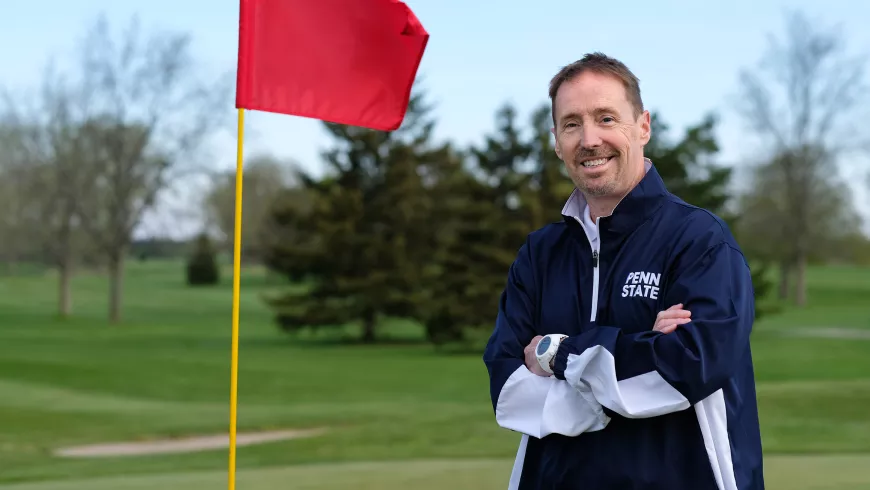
{"x":460,"y":204}
{"x":550,"y":186}
{"x":202,"y":266}
{"x":687,"y":166}
{"x":481,"y":222}
{"x":363,"y":241}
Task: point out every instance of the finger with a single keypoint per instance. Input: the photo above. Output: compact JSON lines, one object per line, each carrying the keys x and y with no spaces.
{"x":670,"y":326}
{"x":676,"y":321}
{"x":673,"y":321}
{"x":665,"y":315}
{"x":672,"y":310}
{"x":678,"y":314}
{"x":676,"y":307}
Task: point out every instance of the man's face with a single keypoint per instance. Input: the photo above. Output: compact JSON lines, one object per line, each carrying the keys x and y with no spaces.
{"x":598,"y":137}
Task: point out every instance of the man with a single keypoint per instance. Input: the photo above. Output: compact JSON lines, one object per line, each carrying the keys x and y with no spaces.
{"x":644,"y":377}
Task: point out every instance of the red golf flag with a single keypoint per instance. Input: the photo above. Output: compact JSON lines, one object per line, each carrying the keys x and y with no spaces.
{"x":343,"y":61}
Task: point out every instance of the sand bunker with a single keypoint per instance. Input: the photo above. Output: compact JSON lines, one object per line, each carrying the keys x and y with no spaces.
{"x":182,"y":445}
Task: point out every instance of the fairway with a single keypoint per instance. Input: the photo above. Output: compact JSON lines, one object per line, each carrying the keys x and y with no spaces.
{"x":783,"y":472}
{"x":399,"y":414}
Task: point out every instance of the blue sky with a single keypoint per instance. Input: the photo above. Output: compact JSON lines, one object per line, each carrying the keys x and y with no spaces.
{"x":687,"y":55}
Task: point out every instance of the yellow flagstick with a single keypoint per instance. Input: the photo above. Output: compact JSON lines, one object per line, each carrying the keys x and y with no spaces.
{"x":237,"y":259}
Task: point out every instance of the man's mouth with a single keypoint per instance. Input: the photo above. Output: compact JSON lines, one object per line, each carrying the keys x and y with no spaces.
{"x":596,"y":163}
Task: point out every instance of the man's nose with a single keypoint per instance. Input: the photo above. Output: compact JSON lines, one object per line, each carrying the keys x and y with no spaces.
{"x":590,"y":138}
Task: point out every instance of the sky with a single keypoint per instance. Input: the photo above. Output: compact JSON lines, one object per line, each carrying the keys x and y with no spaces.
{"x":687,"y":55}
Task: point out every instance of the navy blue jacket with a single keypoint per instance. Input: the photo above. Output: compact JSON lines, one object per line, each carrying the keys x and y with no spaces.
{"x":627,"y":407}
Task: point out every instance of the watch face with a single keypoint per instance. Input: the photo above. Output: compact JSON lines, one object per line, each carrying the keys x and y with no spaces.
{"x":543,"y":345}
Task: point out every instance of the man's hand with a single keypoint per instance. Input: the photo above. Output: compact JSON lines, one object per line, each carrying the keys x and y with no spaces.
{"x":667,"y":321}
{"x":532,"y":359}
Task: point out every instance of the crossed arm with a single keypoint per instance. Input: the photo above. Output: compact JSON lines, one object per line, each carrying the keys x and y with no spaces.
{"x":666,"y":322}
{"x":675,"y":364}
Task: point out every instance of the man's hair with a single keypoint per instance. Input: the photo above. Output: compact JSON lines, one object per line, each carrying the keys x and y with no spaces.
{"x":605,"y":65}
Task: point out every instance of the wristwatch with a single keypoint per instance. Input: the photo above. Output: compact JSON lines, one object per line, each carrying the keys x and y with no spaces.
{"x":546,"y":350}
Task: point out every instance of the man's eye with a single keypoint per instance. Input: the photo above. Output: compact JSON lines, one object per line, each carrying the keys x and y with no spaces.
{"x":607,"y":119}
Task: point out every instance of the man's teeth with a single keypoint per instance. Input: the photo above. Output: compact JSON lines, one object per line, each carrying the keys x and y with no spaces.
{"x":595,"y":163}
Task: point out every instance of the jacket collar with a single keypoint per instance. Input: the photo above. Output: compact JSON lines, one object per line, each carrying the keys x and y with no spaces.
{"x":638,"y":205}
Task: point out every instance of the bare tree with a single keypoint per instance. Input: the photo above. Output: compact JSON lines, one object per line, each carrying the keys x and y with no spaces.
{"x":146,"y":116}
{"x":16,"y":222}
{"x":826,"y":202}
{"x":265,"y":178}
{"x":804,"y":100}
{"x":46,"y":183}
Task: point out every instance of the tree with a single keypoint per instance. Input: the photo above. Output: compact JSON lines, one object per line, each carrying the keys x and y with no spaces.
{"x":361,"y":242}
{"x":202,"y":266}
{"x":455,"y":290}
{"x":687,"y":166}
{"x":265,"y":178}
{"x":49,"y":188}
{"x":143,"y":116}
{"x":484,"y":214}
{"x":804,"y":102}
{"x":834,"y":219}
{"x":550,"y":185}
{"x":17,"y":222}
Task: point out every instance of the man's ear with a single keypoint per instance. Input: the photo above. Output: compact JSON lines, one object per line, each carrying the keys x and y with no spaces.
{"x":645,"y":127}
{"x":556,"y":145}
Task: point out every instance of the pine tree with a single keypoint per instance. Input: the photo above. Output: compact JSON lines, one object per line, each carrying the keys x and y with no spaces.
{"x":202,"y":267}
{"x":361,"y":242}
{"x":482,"y":223}
{"x":550,"y":185}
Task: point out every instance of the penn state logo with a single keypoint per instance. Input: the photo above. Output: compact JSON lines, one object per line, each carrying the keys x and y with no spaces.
{"x":642,"y":284}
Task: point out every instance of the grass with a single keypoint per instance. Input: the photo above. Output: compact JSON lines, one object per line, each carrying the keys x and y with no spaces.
{"x":786,"y":472}
{"x":401,"y":414}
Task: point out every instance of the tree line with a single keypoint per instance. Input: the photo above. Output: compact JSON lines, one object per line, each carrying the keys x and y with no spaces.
{"x":402,"y":226}
{"x":399,"y":224}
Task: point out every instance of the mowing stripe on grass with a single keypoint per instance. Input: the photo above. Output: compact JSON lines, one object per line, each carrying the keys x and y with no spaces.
{"x":835,"y":472}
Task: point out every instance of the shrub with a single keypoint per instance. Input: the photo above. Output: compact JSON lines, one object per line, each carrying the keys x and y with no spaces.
{"x":202,"y":266}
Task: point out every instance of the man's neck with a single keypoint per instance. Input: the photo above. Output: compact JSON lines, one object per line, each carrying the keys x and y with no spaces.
{"x":602,"y":206}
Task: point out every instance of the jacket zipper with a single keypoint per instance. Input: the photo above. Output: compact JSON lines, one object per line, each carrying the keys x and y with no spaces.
{"x":595,"y":269}
{"x":595,"y":244}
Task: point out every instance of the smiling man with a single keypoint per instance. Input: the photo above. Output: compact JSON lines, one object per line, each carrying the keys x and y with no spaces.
{"x":621,"y":347}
